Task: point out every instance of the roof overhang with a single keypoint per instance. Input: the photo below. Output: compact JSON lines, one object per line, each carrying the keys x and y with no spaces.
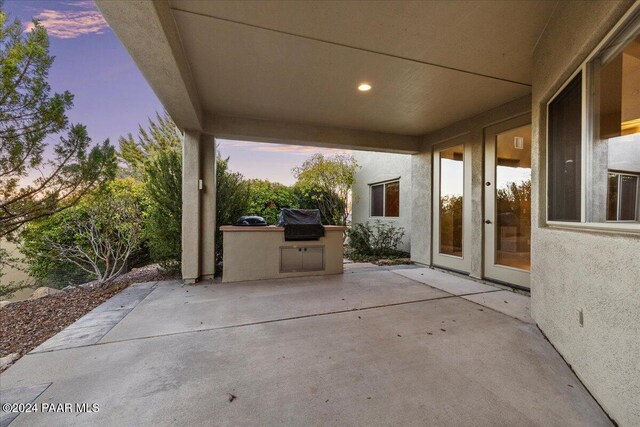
{"x":288,"y":71}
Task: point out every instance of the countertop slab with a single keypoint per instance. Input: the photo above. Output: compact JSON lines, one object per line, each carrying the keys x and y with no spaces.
{"x":272,"y":228}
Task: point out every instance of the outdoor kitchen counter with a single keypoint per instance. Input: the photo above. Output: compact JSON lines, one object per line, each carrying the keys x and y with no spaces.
{"x":254,"y":253}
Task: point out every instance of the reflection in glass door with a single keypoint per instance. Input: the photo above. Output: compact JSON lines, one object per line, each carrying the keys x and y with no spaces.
{"x":451,"y":197}
{"x":508,"y":202}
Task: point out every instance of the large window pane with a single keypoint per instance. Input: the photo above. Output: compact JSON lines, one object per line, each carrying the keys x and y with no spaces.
{"x":451,"y":200}
{"x":616,"y":152}
{"x":565,"y":140}
{"x":377,"y":200}
{"x":392,"y":199}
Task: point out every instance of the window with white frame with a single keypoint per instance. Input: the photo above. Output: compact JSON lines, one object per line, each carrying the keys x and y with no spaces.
{"x":385,"y":199}
{"x":593,"y":137}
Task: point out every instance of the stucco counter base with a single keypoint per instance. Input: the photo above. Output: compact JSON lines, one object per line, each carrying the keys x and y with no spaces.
{"x":254,"y":253}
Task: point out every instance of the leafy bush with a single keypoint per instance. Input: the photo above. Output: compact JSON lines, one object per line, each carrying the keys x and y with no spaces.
{"x":266,"y":198}
{"x":377,"y":240}
{"x":163,"y":225}
{"x":96,"y":239}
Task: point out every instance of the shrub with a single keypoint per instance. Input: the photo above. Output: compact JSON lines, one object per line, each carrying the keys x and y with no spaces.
{"x":377,"y":240}
{"x":99,"y":238}
{"x":266,"y":198}
{"x":163,"y":225}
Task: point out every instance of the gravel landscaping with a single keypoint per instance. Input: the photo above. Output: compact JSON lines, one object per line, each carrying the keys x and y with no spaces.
{"x":26,"y":324}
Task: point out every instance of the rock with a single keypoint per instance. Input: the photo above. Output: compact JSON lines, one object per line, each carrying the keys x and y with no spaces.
{"x":43,"y":292}
{"x":8,"y":360}
{"x":5,"y":303}
{"x":90,"y":285}
{"x":69,"y":288}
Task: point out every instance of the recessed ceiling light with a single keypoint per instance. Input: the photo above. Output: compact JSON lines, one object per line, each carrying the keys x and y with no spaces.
{"x":364,"y":87}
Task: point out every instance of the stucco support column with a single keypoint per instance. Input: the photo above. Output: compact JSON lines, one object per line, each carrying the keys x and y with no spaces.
{"x":191,"y":206}
{"x":421,"y":177}
{"x":207,"y":207}
{"x":477,"y":203}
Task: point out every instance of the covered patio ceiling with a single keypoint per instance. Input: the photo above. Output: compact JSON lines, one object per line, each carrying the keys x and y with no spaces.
{"x":289,"y":71}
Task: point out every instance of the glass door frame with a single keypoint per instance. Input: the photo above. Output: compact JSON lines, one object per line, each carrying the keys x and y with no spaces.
{"x":492,"y":270}
{"x":461,"y":264}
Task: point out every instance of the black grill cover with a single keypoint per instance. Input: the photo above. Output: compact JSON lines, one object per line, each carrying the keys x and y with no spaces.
{"x":301,"y":224}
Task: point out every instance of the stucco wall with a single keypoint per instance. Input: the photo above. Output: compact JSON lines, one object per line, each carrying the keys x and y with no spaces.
{"x":12,"y":274}
{"x":596,"y":272}
{"x":253,"y":253}
{"x":379,"y":167}
{"x":421,"y":202}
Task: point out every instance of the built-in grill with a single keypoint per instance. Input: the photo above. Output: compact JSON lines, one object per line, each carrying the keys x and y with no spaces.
{"x":301,"y":224}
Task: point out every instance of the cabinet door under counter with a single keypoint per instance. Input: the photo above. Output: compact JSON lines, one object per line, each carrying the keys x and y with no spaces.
{"x":301,"y":258}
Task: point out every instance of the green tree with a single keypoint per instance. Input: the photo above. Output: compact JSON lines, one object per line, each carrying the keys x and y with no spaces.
{"x":328,"y":181}
{"x":35,"y":184}
{"x":161,"y":136}
{"x":266,"y":198}
{"x":155,"y":158}
{"x":32,"y":184}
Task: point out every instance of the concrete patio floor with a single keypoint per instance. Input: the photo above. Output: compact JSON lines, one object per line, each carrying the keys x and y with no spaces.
{"x":375,"y":346}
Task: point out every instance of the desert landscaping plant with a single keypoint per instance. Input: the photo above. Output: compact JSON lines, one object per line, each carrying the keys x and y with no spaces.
{"x":94,"y":240}
{"x":106,"y":235}
{"x":377,"y":240}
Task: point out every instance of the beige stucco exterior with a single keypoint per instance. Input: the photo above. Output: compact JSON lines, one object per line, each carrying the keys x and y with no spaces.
{"x":198,"y":206}
{"x":383,"y":167}
{"x":280,"y":75}
{"x":597,"y":272}
{"x":15,"y":275}
{"x":253,"y":253}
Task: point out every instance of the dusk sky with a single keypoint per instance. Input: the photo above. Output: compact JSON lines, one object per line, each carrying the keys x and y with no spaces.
{"x":112,"y":97}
